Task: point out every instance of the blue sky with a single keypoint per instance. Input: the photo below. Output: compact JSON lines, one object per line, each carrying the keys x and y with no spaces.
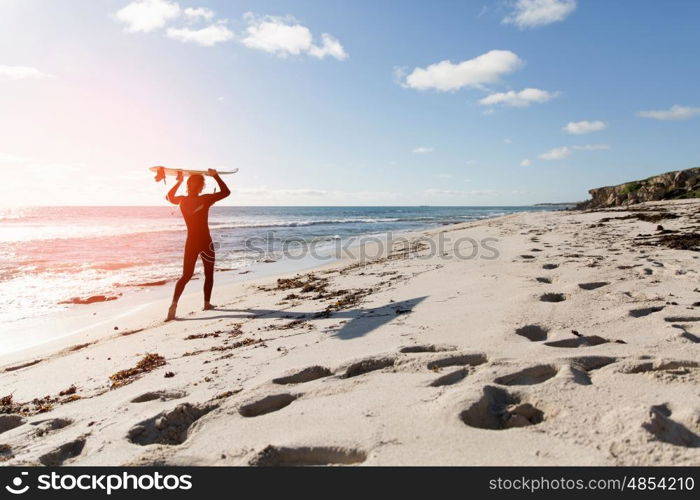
{"x":93,"y":92}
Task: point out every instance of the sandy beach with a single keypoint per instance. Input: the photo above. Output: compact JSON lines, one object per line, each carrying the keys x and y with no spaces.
{"x":567,"y":338}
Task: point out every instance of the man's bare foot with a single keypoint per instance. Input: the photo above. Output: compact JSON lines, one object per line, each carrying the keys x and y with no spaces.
{"x":171,"y":312}
{"x":208,"y":306}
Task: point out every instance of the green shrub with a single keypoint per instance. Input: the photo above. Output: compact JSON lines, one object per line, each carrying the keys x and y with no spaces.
{"x":695,"y":193}
{"x":631,"y":187}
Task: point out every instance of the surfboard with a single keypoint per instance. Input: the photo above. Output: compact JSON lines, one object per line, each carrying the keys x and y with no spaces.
{"x":161,"y":172}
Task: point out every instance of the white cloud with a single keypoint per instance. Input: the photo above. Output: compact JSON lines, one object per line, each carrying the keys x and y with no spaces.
{"x":592,"y":147}
{"x":447,"y":76}
{"x":520,"y":99}
{"x":207,"y":37}
{"x":565,"y":151}
{"x":675,"y":112}
{"x":556,"y":154}
{"x":199,"y":13}
{"x":285,"y":36}
{"x":423,"y":150}
{"x":584,"y":127}
{"x":21,"y":73}
{"x":399,"y":74}
{"x":525,"y":163}
{"x":147,"y":15}
{"x":329,"y":47}
{"x":533,"y":13}
{"x":507,"y":140}
{"x":282,"y":36}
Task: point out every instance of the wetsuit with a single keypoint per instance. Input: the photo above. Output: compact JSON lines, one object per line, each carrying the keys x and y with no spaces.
{"x":195,"y":211}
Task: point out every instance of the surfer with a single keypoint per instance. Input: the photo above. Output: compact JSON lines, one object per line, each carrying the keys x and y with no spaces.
{"x":195,"y":211}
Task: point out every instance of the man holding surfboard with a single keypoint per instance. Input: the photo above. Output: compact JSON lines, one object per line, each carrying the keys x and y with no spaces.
{"x":195,"y":210}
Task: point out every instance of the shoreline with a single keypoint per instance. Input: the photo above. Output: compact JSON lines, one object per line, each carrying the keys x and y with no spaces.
{"x":78,"y":317}
{"x":113,"y":250}
{"x":583,"y":330}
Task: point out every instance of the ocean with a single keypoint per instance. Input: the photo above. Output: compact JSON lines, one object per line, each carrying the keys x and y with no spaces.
{"x":52,"y":255}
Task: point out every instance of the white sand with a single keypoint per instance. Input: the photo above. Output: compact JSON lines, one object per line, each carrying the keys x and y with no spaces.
{"x":631,"y":400}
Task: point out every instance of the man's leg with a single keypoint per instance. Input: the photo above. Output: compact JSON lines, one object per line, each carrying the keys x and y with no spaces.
{"x":208,"y":260}
{"x":188,"y":263}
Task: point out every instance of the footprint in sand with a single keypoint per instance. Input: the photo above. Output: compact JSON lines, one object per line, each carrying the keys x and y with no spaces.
{"x":60,"y":455}
{"x":646,"y":311}
{"x":51,"y":424}
{"x":685,"y":334}
{"x":471,"y":359}
{"x":582,"y":366}
{"x":529,"y":376}
{"x":450,"y":378}
{"x":659,"y":365}
{"x":9,"y":422}
{"x":542,"y":279}
{"x":682,"y":319}
{"x":580,"y":341}
{"x":169,"y":427}
{"x":552,"y":297}
{"x":268,"y":404}
{"x":368,"y":365}
{"x":307,"y":455}
{"x":306,"y":375}
{"x":665,"y":370}
{"x":593,"y":285}
{"x":498,"y":409}
{"x":413,"y":349}
{"x":664,"y":428}
{"x":550,"y":266}
{"x":534,"y":333}
{"x":591,"y":363}
{"x":160,"y":395}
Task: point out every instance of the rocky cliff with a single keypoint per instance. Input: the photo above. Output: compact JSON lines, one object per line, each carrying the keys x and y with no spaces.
{"x":668,"y":186}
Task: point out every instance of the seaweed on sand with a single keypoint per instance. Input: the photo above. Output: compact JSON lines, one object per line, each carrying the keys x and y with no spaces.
{"x":148,"y":363}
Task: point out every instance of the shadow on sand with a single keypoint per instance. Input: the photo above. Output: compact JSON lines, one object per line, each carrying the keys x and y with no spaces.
{"x":361,"y":321}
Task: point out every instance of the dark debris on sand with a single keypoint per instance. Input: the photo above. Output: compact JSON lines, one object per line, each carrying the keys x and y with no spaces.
{"x":37,"y":405}
{"x":677,"y":241}
{"x":649,"y":216}
{"x":148,"y":363}
{"x":221,"y":348}
{"x":235,"y":331}
{"x":311,"y":284}
{"x":681,"y":241}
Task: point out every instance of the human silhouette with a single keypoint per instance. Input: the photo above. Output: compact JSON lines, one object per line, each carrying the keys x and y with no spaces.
{"x":195,"y":211}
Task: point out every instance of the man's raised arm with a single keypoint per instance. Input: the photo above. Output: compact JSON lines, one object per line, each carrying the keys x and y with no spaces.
{"x":171,"y":196}
{"x":225,"y":191}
